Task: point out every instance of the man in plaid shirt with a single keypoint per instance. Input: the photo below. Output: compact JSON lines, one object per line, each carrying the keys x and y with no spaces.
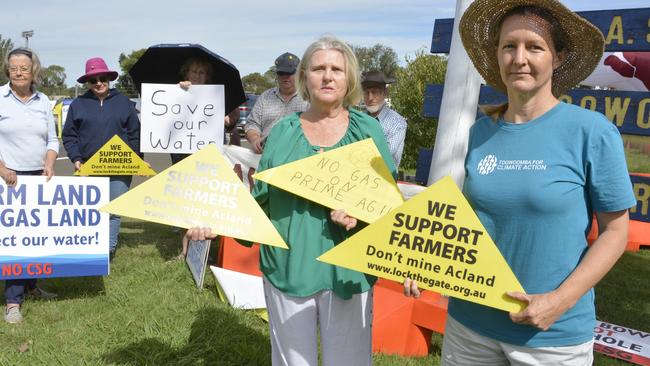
{"x":275,"y":103}
{"x":394,"y":126}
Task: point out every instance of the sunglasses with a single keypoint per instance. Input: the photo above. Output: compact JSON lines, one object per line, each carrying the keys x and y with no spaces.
{"x":101,"y":79}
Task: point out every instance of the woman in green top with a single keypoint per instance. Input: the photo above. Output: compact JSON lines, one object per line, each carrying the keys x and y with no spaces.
{"x":300,"y":291}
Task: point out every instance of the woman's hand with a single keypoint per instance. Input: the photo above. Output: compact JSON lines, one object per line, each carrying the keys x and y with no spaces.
{"x":77,"y":167}
{"x":185,"y":85}
{"x":48,"y":171}
{"x":9,"y":176}
{"x":199,"y":233}
{"x":341,"y":218}
{"x":542,"y":310}
{"x":411,"y":288}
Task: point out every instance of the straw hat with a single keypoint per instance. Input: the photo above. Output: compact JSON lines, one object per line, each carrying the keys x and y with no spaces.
{"x":478,"y":31}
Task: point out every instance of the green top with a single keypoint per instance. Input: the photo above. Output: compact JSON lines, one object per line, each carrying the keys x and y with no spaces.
{"x":304,"y":225}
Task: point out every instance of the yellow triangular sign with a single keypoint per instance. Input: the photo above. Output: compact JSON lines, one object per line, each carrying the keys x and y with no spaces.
{"x":436,"y":239}
{"x":201,"y":190}
{"x":353,"y":177}
{"x":115,"y":158}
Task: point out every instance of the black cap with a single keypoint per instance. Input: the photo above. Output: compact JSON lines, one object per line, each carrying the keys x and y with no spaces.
{"x":287,"y":63}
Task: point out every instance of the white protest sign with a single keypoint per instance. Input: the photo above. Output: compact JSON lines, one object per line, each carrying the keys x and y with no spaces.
{"x":242,"y":290}
{"x":197,"y":259}
{"x":55,"y":228}
{"x":622,"y":342}
{"x":244,"y":162}
{"x":175,"y":120}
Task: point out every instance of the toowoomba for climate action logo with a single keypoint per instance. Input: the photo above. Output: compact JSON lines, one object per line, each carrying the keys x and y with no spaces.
{"x":491,"y":163}
{"x":487,"y":164}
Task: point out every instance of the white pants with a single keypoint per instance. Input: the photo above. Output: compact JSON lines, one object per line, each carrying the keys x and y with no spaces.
{"x":463,"y":346}
{"x":345,"y":328}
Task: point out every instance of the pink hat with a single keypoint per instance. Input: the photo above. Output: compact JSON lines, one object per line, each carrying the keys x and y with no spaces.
{"x":97,"y":66}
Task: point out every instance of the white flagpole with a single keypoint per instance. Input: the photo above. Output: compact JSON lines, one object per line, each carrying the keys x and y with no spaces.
{"x":457,"y":111}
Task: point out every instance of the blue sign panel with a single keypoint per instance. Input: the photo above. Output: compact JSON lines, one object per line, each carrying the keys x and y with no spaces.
{"x":641,"y":185}
{"x":630,"y":111}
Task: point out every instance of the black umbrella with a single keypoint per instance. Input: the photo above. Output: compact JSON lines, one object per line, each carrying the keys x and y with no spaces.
{"x":162,"y":64}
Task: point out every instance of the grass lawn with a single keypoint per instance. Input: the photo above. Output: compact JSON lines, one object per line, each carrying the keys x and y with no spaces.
{"x":637,"y":153}
{"x":149,"y":312}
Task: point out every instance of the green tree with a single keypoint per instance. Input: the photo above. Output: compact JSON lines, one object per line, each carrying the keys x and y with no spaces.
{"x":6,"y":45}
{"x":377,"y":57}
{"x":256,"y":83}
{"x":53,"y":80}
{"x":407,"y":97}
{"x":124,"y":82}
{"x":270,"y":75}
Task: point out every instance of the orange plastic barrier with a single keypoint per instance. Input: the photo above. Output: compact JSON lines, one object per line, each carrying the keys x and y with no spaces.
{"x":638,"y":235}
{"x":403,"y":325}
{"x":237,"y":257}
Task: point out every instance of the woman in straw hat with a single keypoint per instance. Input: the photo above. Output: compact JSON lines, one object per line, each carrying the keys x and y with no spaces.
{"x":536,"y":171}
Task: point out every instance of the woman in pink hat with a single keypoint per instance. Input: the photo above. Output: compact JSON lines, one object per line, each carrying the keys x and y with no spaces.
{"x":93,"y":119}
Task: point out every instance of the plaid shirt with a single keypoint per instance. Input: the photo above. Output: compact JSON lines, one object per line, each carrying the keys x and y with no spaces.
{"x":270,"y":108}
{"x":394,"y":127}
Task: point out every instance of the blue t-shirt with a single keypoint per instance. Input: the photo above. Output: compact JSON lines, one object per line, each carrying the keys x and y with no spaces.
{"x":535,"y":186}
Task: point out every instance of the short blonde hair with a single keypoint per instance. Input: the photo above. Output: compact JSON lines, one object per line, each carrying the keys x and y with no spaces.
{"x":36,"y":63}
{"x":352,"y":75}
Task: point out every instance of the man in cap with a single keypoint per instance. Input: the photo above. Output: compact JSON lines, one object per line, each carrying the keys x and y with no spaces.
{"x":275,"y":103}
{"x":394,"y":126}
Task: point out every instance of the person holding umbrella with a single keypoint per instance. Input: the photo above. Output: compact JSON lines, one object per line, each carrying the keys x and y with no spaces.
{"x":194,"y":65}
{"x":198,"y":71}
{"x":305,"y":296}
{"x":537,"y":170}
{"x":94,"y":118}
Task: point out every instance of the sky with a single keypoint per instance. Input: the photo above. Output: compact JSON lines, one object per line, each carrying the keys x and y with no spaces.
{"x":249,"y":33}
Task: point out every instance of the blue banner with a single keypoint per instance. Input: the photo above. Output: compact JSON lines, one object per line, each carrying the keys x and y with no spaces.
{"x":630,"y":111}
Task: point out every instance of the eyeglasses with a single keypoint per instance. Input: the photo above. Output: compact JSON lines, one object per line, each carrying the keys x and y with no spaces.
{"x":101,"y":79}
{"x":22,"y":69}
